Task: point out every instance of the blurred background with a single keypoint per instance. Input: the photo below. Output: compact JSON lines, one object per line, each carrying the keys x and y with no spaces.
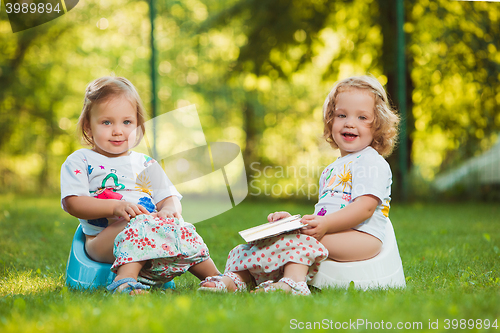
{"x":258,"y":73}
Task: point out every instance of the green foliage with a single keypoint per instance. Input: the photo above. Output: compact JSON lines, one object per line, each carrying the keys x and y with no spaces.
{"x":258,"y":73}
{"x":450,"y":256}
{"x":456,"y":83}
{"x":44,"y":72}
{"x":277,"y":27}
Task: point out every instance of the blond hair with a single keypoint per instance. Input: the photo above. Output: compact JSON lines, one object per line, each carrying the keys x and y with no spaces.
{"x":385,"y":123}
{"x":102,"y":90}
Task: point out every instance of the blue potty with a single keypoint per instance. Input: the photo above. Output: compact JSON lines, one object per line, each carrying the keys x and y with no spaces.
{"x":84,"y":273}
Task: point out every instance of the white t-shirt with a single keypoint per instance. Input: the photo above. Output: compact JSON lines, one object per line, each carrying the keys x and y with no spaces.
{"x":361,"y":173}
{"x":134,"y":178}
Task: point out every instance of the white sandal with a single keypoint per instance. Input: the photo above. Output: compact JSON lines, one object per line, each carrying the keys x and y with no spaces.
{"x":298,"y":288}
{"x":220,"y":286}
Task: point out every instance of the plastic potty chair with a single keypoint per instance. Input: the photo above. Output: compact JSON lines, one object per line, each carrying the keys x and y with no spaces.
{"x":383,"y":271}
{"x":85,"y":273}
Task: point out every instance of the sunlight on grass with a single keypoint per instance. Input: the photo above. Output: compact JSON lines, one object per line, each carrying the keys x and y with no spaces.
{"x":28,"y":282}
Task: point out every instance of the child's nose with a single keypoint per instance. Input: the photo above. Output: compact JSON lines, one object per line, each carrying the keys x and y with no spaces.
{"x":349,"y":123}
{"x":117,"y":130}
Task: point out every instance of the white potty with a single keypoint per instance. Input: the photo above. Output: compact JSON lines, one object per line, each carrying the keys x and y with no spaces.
{"x":383,"y":271}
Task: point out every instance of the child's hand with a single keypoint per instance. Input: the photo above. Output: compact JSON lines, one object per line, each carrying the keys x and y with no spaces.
{"x":165,"y":213}
{"x":127,"y":210}
{"x":315,"y":226}
{"x":277,"y":216}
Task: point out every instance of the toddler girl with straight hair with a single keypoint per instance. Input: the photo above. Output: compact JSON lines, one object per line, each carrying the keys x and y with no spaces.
{"x":352,"y":211}
{"x":129,"y":210}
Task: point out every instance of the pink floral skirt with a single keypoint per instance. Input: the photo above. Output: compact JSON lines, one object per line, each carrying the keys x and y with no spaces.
{"x":170,"y":247}
{"x":265,"y":259}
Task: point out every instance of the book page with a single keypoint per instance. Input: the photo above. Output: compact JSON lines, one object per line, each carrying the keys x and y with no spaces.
{"x":270,"y":229}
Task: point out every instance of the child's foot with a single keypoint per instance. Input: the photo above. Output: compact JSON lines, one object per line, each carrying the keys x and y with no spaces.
{"x":285,"y":284}
{"x":210,"y":282}
{"x":229,"y":282}
{"x":128,"y":285}
{"x":269,"y":286}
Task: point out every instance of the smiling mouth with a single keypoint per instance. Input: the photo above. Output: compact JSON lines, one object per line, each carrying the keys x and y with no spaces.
{"x":349,"y":135}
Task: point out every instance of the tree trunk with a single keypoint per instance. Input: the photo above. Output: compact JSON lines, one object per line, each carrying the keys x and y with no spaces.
{"x":387,"y":21}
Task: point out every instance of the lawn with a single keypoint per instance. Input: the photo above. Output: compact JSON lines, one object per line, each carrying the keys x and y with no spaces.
{"x":450,"y":255}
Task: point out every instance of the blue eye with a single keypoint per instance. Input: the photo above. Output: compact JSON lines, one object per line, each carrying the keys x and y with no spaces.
{"x":106,"y":122}
{"x":127,"y":122}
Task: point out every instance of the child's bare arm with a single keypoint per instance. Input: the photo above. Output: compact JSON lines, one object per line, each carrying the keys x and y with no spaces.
{"x":348,"y":217}
{"x":90,"y":208}
{"x":169,"y":207}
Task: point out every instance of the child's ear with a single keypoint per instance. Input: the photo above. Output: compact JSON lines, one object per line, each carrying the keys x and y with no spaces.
{"x":87,"y":129}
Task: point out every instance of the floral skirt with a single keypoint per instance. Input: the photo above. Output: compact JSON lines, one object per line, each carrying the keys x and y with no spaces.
{"x":170,"y":247}
{"x":265,"y":259}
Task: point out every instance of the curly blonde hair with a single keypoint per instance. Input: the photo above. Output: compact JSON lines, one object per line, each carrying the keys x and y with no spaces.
{"x":102,"y":90}
{"x":385,"y":124}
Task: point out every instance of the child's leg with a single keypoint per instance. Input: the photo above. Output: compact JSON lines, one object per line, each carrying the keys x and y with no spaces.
{"x":294,"y":271}
{"x":351,"y":245}
{"x":204,"y":269}
{"x":130,"y":270}
{"x":100,"y":247}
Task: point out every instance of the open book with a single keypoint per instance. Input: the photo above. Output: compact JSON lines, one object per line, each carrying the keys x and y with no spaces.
{"x":270,"y":229}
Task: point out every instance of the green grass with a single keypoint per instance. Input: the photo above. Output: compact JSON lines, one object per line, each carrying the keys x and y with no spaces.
{"x":450,"y":255}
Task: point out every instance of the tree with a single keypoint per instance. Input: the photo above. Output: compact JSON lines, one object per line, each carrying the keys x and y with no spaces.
{"x":452,"y":54}
{"x":43,"y":74}
{"x":275,"y":29}
{"x":454,"y":47}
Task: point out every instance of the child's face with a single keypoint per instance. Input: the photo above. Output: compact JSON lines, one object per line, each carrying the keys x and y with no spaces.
{"x":112,"y":126}
{"x":353,"y":117}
